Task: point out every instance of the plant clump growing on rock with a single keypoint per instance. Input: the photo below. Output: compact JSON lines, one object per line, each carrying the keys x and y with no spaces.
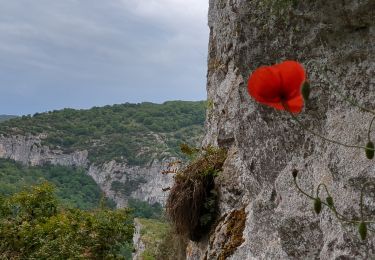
{"x":192,"y":202}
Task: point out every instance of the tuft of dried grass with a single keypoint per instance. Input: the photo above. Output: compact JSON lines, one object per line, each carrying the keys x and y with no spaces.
{"x":192,"y":202}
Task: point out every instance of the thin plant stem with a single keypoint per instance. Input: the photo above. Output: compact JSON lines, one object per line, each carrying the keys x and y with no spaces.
{"x":362,"y":194}
{"x":333,"y":208}
{"x":300,"y":190}
{"x":320,"y":135}
{"x":345,"y":98}
{"x":335,"y":88}
{"x":369,"y":129}
{"x":325,"y":187}
{"x":338,"y":215}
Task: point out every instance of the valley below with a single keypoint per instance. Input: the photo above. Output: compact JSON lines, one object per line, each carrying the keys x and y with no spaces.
{"x":124,"y":152}
{"x":111,"y":157}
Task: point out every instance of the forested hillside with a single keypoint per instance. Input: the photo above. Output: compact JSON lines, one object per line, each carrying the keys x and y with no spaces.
{"x":132,"y":133}
{"x":74,"y":188}
{"x":135,"y":133}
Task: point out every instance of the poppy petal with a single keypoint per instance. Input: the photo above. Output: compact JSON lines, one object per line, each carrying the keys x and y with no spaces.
{"x":292,"y":76}
{"x":264,"y":85}
{"x":277,"y":105}
{"x":295,"y":105}
{"x":278,"y":85}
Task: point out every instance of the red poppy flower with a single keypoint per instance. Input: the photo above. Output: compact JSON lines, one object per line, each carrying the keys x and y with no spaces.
{"x":278,"y":86}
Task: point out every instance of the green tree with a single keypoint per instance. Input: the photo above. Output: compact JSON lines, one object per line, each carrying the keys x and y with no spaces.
{"x":33,"y":226}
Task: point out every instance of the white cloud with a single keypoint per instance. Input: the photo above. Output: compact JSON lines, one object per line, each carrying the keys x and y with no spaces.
{"x":172,"y":13}
{"x":102,"y":47}
{"x":184,"y":20}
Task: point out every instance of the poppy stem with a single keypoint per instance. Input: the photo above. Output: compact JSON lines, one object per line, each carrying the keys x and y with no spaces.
{"x":349,"y":100}
{"x":300,"y":190}
{"x":318,"y":189}
{"x":338,"y":215}
{"x":336,"y":89}
{"x":320,"y":135}
{"x":362,"y":194}
{"x":369,"y":129}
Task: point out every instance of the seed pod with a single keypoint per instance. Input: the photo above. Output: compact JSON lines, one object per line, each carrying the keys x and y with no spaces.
{"x":370,"y":150}
{"x":329,"y":201}
{"x":362,"y":229}
{"x":317,"y":205}
{"x":294,"y":173}
{"x":305,"y":90}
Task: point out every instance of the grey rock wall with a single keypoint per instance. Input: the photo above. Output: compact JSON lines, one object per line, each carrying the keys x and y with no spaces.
{"x":137,"y":241}
{"x":143,"y":183}
{"x":265,"y":145}
{"x":29,"y":150}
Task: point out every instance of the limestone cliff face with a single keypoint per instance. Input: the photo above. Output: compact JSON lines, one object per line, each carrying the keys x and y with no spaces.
{"x":29,"y":150}
{"x":117,"y":181}
{"x":137,"y":241}
{"x":266,"y":145}
{"x":143,"y":183}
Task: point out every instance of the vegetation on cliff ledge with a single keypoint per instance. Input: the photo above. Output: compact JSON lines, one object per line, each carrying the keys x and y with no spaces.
{"x":192,"y":203}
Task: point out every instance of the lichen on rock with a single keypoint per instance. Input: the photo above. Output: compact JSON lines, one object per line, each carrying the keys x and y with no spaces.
{"x":235,"y":225}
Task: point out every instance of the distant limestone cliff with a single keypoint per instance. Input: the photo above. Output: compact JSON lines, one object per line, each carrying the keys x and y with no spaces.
{"x":124,"y":148}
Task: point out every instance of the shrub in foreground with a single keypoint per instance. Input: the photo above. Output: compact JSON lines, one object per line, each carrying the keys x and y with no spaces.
{"x":33,"y":226}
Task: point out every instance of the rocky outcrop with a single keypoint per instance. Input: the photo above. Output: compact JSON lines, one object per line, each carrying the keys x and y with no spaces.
{"x":137,"y":241}
{"x":118,"y":181}
{"x":265,"y":145}
{"x":29,"y":150}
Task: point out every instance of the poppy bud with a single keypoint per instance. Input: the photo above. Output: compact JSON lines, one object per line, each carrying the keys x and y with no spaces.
{"x":317,"y":205}
{"x":362,"y":229}
{"x":329,"y":201}
{"x":370,"y":150}
{"x":294,"y":173}
{"x":305,"y":90}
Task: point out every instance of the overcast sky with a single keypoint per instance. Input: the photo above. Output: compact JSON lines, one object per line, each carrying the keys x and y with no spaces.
{"x":84,"y":53}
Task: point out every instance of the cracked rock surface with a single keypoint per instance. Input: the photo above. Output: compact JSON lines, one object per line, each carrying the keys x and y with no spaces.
{"x":265,"y":145}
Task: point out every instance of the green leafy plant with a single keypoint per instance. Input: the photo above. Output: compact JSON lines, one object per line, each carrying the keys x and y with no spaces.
{"x":34,"y":226}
